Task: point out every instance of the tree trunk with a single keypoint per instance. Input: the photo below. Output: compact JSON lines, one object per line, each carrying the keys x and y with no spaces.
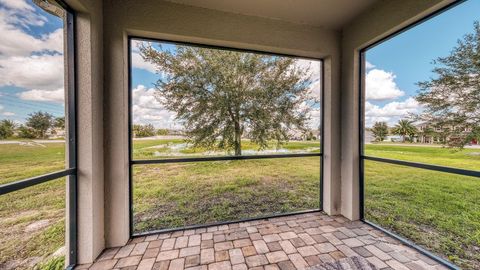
{"x":238,"y":140}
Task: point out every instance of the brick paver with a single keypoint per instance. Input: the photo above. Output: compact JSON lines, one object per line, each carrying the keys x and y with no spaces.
{"x":283,"y":243}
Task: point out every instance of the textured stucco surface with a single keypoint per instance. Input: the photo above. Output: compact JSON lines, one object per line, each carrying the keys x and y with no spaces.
{"x":89,"y":83}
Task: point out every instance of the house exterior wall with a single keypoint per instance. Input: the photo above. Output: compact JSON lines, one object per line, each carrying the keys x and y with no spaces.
{"x":380,"y":21}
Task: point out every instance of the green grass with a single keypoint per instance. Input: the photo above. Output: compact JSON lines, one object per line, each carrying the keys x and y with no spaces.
{"x":437,"y":210}
{"x":465,"y":159}
{"x":22,"y":161}
{"x":174,"y":195}
{"x":18,"y":210}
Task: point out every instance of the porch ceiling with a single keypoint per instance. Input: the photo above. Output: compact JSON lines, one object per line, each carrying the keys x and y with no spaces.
{"x":331,"y":14}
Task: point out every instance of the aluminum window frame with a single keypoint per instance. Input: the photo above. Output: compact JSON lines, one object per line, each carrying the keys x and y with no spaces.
{"x":361,"y":137}
{"x":132,"y":162}
{"x":70,"y":170}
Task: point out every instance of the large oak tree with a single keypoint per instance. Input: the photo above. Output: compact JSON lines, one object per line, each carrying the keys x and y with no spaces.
{"x":452,"y":97}
{"x":221,"y":96}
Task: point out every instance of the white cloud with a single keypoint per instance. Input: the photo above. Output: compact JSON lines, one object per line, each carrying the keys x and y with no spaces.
{"x":380,"y":85}
{"x":148,"y":110}
{"x":391,"y":112}
{"x":27,"y":61}
{"x":17,"y":4}
{"x":43,"y":72}
{"x":21,"y":43}
{"x":21,"y":13}
{"x":369,"y":65}
{"x":57,"y":95}
{"x":137,"y":59}
{"x":138,"y":62}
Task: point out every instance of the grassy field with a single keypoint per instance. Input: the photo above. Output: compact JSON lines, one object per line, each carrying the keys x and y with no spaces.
{"x":30,"y":159}
{"x":175,"y":195}
{"x":465,"y":159}
{"x":437,"y":210}
{"x":32,"y":221}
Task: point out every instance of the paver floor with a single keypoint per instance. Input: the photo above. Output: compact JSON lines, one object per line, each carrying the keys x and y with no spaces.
{"x":291,"y":242}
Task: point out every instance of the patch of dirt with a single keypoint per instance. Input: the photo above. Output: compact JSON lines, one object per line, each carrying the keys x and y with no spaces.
{"x":19,"y":215}
{"x":21,"y":264}
{"x":37,"y":225}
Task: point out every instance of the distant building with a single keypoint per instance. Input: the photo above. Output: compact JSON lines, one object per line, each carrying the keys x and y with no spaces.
{"x":56,"y":133}
{"x":432,"y":133}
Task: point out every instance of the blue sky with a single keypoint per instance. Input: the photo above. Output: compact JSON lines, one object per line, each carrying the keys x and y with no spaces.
{"x":31,"y":65}
{"x":408,"y":59}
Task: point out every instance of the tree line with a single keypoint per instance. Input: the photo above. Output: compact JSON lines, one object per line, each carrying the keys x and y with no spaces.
{"x":148,"y":130}
{"x":36,"y":126}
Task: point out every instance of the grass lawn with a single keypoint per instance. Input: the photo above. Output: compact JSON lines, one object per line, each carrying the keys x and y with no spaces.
{"x":32,"y":221}
{"x":464,"y":159}
{"x":23,"y":161}
{"x":32,"y":225}
{"x":175,"y":195}
{"x":437,"y":210}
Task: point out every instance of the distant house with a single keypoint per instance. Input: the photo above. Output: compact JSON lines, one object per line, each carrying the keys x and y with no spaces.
{"x":432,"y":133}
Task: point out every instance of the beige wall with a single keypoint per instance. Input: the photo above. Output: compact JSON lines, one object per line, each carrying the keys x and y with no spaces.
{"x":381,"y":20}
{"x":89,"y":71}
{"x":102,"y":68}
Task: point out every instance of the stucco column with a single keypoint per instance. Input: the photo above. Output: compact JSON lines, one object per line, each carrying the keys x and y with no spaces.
{"x":331,"y":142}
{"x":89,"y":89}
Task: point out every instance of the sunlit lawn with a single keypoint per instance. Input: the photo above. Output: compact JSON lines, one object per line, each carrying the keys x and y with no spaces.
{"x":174,"y":195}
{"x":31,"y":220}
{"x":438,"y":210}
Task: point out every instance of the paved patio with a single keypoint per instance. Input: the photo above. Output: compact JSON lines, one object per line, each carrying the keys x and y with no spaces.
{"x":292,"y":242}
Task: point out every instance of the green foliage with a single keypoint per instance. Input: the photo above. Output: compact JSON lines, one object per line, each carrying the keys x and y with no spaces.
{"x":404,"y":128}
{"x":452,"y":97}
{"x":7,"y":128}
{"x":310,"y":136}
{"x":221,"y":96}
{"x":380,"y":131}
{"x":162,"y":131}
{"x":59,"y":122}
{"x":57,"y":263}
{"x":26,"y":132}
{"x":143,"y":130}
{"x":39,"y":122}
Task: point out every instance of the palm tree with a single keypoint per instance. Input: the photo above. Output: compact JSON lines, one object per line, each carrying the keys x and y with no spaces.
{"x":404,"y":128}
